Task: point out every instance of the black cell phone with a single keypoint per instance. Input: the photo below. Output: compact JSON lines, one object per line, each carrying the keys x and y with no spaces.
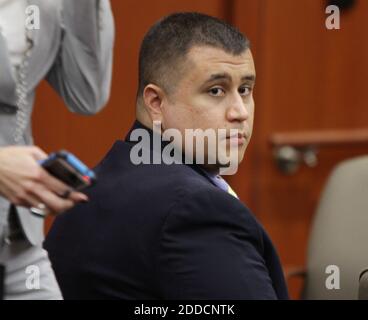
{"x":69,"y":169}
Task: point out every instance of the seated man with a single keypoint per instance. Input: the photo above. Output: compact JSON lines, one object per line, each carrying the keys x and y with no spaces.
{"x":166,"y":229}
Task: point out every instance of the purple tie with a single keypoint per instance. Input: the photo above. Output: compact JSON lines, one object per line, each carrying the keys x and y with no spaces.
{"x":220,"y":182}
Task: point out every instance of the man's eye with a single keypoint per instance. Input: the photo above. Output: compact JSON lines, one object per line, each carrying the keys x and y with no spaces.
{"x":244,"y":91}
{"x":217,"y":92}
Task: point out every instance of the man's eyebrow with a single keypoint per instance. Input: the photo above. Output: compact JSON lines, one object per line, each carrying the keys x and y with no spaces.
{"x":249,"y":77}
{"x":226,"y":76}
{"x":219,"y":76}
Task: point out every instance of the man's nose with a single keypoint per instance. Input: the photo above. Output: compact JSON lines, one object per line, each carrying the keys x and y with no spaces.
{"x":238,"y":109}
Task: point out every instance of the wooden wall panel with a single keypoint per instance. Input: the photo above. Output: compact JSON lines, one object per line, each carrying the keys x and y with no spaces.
{"x":308,"y":78}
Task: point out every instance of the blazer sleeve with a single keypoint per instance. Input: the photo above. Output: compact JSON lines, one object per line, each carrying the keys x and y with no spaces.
{"x":211,"y":248}
{"x":82,"y":70}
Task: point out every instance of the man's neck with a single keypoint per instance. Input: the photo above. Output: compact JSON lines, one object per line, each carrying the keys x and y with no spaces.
{"x":142,"y":116}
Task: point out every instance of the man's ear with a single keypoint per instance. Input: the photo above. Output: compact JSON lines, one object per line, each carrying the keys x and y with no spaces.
{"x":153,"y":101}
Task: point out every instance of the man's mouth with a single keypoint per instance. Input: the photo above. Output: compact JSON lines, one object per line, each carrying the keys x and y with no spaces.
{"x":238,"y":139}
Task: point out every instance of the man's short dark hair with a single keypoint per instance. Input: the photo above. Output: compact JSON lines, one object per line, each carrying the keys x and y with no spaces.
{"x":167,"y":43}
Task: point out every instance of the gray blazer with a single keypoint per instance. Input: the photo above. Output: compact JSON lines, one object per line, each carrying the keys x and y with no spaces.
{"x":73,"y":51}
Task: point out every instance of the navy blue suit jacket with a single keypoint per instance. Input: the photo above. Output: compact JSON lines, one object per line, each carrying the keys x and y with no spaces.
{"x":161,"y":232}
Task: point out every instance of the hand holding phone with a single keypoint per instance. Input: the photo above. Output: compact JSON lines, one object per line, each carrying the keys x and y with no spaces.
{"x":67,"y":168}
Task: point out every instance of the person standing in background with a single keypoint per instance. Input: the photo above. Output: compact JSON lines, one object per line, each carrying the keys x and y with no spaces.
{"x":73,"y":50}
